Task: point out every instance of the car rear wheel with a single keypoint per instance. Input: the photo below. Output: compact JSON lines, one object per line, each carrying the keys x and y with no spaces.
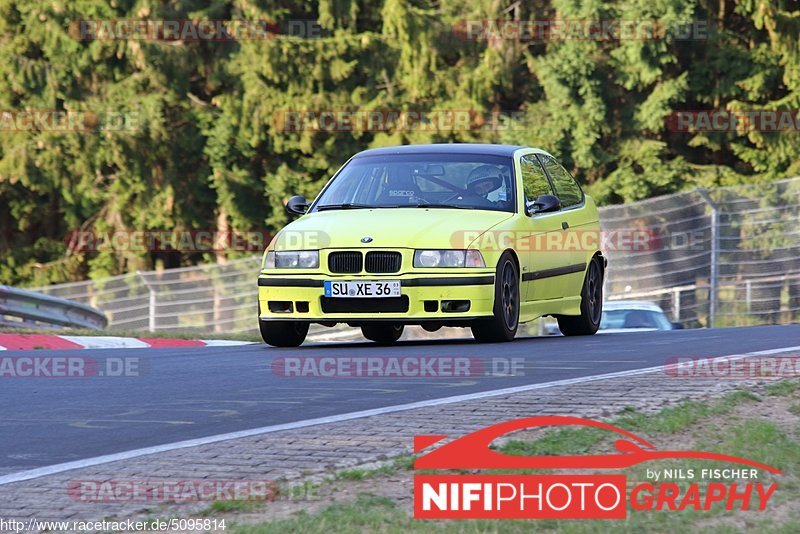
{"x":382,"y":333}
{"x":505,"y":320}
{"x":283,"y":333}
{"x":587,"y":323}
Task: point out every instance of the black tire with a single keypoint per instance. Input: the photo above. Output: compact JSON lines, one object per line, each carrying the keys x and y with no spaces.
{"x":383,"y":333}
{"x":283,"y":333}
{"x":505,"y":320}
{"x":587,"y":323}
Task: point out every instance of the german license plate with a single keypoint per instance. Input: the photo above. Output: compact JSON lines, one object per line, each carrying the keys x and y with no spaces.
{"x":362,"y":289}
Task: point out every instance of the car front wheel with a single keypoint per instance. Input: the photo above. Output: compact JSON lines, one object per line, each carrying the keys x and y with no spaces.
{"x":383,"y":333}
{"x":283,"y":333}
{"x":505,"y":320}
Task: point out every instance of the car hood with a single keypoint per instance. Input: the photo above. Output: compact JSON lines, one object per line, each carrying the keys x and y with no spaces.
{"x":391,"y":227}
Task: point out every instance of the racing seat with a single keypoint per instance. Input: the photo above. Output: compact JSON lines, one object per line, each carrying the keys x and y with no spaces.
{"x":399,"y":190}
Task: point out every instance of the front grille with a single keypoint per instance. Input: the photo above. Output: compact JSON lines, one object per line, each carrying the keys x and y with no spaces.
{"x":383,"y":305}
{"x":383,"y":262}
{"x":345,"y":262}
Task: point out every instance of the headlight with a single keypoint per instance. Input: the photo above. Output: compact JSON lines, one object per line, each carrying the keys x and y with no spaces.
{"x":300,"y":259}
{"x":448,"y":258}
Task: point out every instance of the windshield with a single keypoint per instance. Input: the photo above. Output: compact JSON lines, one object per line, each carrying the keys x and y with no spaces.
{"x":634,"y":319}
{"x":431,"y":180}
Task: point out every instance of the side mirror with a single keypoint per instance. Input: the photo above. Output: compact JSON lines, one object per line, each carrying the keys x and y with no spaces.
{"x":677,"y":326}
{"x":544,"y":204}
{"x":297,"y":205}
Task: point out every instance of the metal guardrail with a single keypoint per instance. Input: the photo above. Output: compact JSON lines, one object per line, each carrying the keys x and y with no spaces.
{"x":746,"y":240}
{"x":36,"y":309}
{"x":740,"y":290}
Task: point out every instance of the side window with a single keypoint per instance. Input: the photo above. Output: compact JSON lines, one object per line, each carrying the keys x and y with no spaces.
{"x":534,"y":180}
{"x":567,"y":189}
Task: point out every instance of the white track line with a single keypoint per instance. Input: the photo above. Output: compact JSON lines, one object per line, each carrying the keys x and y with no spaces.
{"x":98,"y":460}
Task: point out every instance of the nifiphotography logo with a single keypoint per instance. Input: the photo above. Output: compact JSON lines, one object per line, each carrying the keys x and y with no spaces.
{"x":574,"y":496}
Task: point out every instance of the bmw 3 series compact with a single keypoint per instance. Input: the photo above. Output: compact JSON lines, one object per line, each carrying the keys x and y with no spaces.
{"x":441,"y":235}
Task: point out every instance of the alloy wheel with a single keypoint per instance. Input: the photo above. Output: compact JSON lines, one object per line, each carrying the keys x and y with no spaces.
{"x":508,"y":299}
{"x":595,"y":292}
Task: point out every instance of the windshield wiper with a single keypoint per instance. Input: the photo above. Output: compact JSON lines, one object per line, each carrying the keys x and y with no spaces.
{"x":448,"y":206}
{"x":343,"y":206}
{"x":354,"y":206}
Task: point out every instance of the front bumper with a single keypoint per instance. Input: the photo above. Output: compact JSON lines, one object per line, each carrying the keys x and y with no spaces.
{"x":415,"y":306}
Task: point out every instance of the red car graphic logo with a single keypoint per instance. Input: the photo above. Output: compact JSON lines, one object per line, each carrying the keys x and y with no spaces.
{"x":472,"y":451}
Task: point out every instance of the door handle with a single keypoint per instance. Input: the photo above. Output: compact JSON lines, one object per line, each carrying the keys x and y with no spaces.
{"x":564,"y":225}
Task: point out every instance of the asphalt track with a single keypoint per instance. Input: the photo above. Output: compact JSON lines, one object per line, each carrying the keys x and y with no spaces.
{"x":195,"y":392}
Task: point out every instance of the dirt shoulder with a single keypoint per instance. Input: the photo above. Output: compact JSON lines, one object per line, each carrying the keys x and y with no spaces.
{"x":761,"y":423}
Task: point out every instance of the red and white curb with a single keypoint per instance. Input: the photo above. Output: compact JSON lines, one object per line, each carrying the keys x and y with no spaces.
{"x":47,"y":341}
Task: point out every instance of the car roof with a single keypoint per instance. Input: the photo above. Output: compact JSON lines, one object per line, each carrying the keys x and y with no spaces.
{"x":445,"y":148}
{"x":631,"y":305}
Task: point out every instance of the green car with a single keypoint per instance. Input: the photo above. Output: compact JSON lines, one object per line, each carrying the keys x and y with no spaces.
{"x":441,"y":235}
